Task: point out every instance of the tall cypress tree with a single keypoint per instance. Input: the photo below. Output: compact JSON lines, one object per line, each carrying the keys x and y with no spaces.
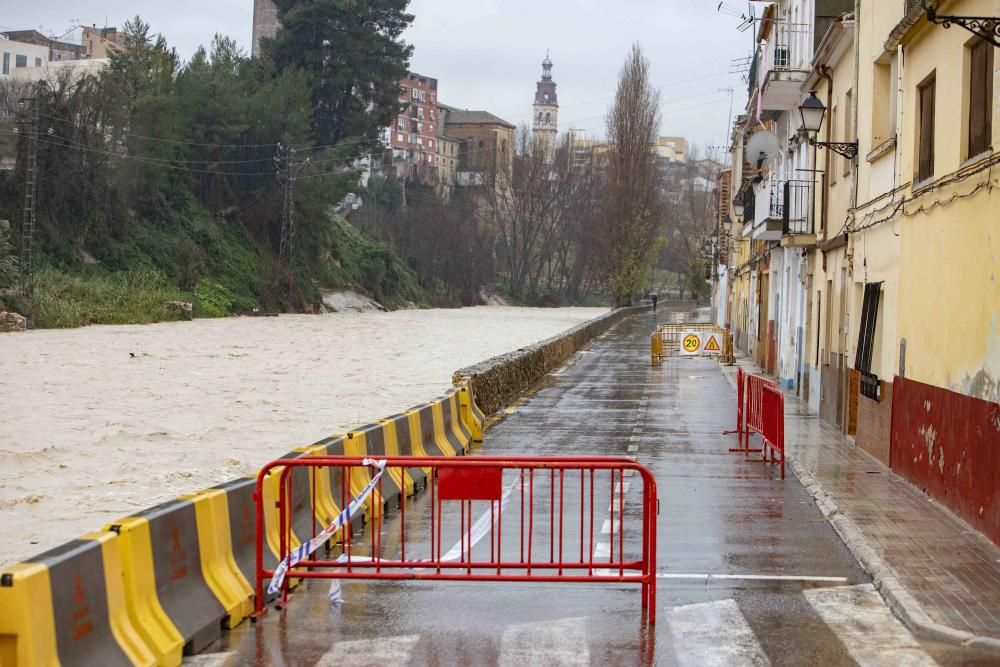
{"x":354,"y":55}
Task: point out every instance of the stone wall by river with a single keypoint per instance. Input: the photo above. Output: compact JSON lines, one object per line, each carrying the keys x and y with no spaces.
{"x":100,"y":422}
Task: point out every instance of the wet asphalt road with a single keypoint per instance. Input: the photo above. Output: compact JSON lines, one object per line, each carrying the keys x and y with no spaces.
{"x":719,"y":515}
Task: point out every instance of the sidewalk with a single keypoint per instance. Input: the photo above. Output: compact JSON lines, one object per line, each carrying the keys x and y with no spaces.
{"x":940,"y":576}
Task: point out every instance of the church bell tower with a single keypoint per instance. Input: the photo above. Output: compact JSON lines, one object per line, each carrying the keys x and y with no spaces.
{"x":545,"y":120}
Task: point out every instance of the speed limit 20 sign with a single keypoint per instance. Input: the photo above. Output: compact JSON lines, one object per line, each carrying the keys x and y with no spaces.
{"x":690,"y":343}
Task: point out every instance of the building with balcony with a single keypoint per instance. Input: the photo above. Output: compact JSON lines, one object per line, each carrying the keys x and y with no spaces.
{"x":862,"y":268}
{"x":413,"y":138}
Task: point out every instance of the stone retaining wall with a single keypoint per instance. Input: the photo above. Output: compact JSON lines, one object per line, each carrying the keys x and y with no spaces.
{"x":498,"y":381}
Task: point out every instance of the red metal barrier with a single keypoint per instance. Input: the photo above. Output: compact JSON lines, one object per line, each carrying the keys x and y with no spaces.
{"x":763,"y":412}
{"x":754,"y":415}
{"x":773,"y":424}
{"x":741,"y":431}
{"x":556,"y":531}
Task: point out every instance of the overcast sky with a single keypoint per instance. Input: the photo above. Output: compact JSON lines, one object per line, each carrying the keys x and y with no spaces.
{"x":487,"y":54}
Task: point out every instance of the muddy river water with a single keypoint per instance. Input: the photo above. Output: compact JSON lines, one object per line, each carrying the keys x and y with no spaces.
{"x":100,"y":422}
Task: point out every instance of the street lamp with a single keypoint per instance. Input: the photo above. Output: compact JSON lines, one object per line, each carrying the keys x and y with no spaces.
{"x":812,"y":111}
{"x":738,"y":206}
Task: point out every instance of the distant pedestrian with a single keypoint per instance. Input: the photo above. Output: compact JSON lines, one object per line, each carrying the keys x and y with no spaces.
{"x":655,"y":297}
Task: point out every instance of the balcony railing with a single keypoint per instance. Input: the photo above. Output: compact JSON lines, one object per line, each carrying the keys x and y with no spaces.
{"x":783,"y":50}
{"x":794,"y":206}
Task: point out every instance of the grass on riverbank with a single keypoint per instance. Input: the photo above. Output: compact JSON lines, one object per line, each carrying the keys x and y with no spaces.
{"x":62,"y":300}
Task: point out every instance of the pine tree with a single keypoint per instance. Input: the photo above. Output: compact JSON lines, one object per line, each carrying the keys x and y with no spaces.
{"x":354,"y":56}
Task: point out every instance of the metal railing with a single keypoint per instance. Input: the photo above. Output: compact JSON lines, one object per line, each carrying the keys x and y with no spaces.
{"x":782,"y":49}
{"x":669,"y":340}
{"x":558,"y":519}
{"x":795,"y":207}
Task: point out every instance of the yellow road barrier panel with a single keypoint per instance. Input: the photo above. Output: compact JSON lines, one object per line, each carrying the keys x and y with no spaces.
{"x":440,"y":436}
{"x":218,"y":564}
{"x":355,"y":445}
{"x":471,"y":415}
{"x":402,"y":478}
{"x":453,"y":422}
{"x":67,"y":607}
{"x":144,"y":609}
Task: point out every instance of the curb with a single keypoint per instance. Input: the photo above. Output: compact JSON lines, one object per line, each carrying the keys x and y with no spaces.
{"x":892,"y":590}
{"x":895,"y":594}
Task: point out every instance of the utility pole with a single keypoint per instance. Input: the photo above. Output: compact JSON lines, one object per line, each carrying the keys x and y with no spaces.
{"x":30,"y":190}
{"x":289,"y":168}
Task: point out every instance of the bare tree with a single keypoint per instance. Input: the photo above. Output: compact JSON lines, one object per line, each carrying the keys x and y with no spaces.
{"x":632,"y":202}
{"x":525,"y":205}
{"x":690,"y":210}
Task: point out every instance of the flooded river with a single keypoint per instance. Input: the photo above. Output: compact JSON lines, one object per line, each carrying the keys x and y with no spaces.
{"x":100,"y":422}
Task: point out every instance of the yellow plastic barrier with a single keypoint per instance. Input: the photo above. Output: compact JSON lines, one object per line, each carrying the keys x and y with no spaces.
{"x":243,"y":528}
{"x":453,"y":414}
{"x":458,"y":436}
{"x":144,"y":609}
{"x":402,"y":478}
{"x":471,"y":414}
{"x":67,"y":606}
{"x":440,"y":434}
{"x":167,"y":591}
{"x":218,"y":565}
{"x":355,"y":445}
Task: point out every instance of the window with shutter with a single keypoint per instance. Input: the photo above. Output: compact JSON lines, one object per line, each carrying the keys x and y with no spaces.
{"x":925,"y":140}
{"x":866,"y":340}
{"x":980,"y":95}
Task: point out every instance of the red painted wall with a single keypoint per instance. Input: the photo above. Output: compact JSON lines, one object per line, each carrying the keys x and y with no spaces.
{"x":948,"y":444}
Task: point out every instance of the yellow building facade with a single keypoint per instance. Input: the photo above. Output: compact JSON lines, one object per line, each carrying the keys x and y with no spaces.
{"x":902,"y":281}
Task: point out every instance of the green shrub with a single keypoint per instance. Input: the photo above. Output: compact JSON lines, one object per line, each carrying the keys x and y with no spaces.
{"x":212,"y":300}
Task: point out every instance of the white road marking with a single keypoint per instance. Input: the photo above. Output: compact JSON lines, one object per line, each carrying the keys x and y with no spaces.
{"x":632,"y":449}
{"x":607,"y":526}
{"x":365,"y":652}
{"x":602,"y":550}
{"x":866,"y":627}
{"x":752,"y":577}
{"x":208,"y":659}
{"x":560,"y":643}
{"x":714,"y":633}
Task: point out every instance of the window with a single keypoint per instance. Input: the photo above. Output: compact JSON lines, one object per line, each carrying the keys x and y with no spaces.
{"x":420,"y":113}
{"x":400,"y":124}
{"x":925,"y":130}
{"x":412,"y":139}
{"x":884,"y":103}
{"x":20,"y":61}
{"x":38,"y":62}
{"x":420,"y":128}
{"x":548,"y":118}
{"x":399,"y":137}
{"x":980,"y":97}
{"x":6,"y":63}
{"x":866,"y":340}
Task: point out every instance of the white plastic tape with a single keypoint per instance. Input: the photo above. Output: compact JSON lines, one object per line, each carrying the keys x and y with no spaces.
{"x":306,"y":549}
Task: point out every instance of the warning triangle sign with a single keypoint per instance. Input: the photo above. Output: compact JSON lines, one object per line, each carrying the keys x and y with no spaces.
{"x":712,"y":345}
